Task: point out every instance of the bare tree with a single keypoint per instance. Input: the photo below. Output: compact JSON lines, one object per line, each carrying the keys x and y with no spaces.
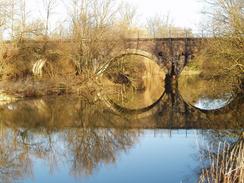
{"x":227,"y":26}
{"x":162,"y":26}
{"x":92,"y":23}
{"x":3,"y":12}
{"x":128,"y":13}
{"x":49,"y":6}
{"x":12,"y":16}
{"x":23,"y":16}
{"x":226,"y":16}
{"x":158,"y":26}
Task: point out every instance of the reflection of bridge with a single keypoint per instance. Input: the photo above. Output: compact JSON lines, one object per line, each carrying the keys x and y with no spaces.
{"x":169,"y":112}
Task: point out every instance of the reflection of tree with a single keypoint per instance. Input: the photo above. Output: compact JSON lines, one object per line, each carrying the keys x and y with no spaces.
{"x":60,"y":112}
{"x":90,"y":147}
{"x":15,"y":161}
{"x":85,"y":135}
{"x":82,"y":148}
{"x":41,"y":130}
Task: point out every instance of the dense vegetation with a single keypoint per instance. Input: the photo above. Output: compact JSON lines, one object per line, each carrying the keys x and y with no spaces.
{"x":223,"y":55}
{"x":38,"y":58}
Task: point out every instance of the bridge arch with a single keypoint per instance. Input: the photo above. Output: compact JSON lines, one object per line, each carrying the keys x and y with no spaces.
{"x":138,"y":111}
{"x":129,"y":52}
{"x":138,"y":52}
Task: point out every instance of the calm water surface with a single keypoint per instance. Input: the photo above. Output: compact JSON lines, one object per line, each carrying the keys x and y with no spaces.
{"x":154,"y":156}
{"x":160,"y":137}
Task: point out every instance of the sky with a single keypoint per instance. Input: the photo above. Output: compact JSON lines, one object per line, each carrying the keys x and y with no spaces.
{"x":184,"y":13}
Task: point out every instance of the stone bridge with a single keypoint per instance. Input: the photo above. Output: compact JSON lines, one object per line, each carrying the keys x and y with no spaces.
{"x":174,"y":53}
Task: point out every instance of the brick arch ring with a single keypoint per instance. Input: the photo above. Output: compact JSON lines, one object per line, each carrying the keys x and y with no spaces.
{"x":127,"y":52}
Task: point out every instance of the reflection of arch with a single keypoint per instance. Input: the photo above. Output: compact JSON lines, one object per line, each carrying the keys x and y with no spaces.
{"x":118,"y":108}
{"x":128,"y":52}
{"x":232,"y":102}
{"x":122,"y":109}
{"x":151,"y":109}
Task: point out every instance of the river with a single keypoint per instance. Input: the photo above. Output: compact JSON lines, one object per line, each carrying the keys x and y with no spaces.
{"x":151,"y":135}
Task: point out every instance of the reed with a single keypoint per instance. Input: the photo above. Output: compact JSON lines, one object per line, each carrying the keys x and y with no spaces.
{"x":226,"y":166}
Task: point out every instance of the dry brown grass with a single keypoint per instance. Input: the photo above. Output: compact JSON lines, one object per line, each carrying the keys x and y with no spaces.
{"x":31,"y":87}
{"x":60,"y":72}
{"x":226,"y":166}
{"x":17,"y":59}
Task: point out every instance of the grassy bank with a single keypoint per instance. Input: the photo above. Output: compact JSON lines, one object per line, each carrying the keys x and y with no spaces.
{"x":32,"y":68}
{"x":36,"y":69}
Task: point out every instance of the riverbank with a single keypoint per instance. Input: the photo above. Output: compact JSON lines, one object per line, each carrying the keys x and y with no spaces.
{"x":28,"y":72}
